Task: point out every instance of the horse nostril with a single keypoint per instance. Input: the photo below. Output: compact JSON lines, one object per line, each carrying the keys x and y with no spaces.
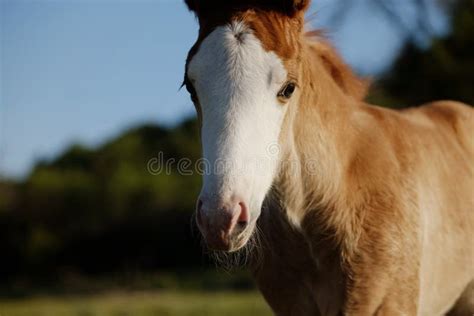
{"x":242,"y":224}
{"x":243,"y":219}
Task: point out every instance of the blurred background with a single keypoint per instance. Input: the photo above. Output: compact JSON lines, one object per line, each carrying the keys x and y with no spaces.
{"x":90,"y":106}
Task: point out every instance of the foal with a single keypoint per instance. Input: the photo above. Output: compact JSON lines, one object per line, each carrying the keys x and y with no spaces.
{"x":364,"y":210}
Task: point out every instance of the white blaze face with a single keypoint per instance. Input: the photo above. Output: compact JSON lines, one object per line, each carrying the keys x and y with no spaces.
{"x":237,"y":83}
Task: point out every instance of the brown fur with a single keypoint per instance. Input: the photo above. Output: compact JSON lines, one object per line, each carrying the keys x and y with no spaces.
{"x":383,"y":225}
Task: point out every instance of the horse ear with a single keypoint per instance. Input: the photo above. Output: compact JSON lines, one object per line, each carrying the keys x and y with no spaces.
{"x":192,"y":6}
{"x":301,"y":5}
{"x":292,"y":7}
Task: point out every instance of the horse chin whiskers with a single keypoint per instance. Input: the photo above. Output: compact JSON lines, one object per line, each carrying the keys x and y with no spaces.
{"x":249,"y":254}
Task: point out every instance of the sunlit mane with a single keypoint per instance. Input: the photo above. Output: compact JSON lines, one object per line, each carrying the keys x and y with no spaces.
{"x":340,"y":72}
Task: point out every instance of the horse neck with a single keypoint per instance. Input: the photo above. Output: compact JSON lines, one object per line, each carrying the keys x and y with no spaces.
{"x":316,"y":143}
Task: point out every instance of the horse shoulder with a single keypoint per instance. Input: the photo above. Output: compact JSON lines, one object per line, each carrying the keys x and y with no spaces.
{"x":445,"y":180}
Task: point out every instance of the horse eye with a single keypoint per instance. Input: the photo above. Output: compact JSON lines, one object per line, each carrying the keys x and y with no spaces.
{"x":287,"y":91}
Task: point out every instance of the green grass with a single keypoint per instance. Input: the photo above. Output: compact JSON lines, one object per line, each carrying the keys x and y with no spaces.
{"x":141,"y":304}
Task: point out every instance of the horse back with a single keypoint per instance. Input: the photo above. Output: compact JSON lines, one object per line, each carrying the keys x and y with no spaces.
{"x":453,"y":118}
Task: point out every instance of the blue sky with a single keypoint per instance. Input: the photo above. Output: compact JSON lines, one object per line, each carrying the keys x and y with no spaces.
{"x":82,"y":71}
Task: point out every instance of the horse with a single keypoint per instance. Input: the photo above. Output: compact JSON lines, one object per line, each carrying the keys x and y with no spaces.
{"x":361,"y":210}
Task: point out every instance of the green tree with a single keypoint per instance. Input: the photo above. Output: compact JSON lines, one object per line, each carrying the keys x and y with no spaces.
{"x":443,"y":71}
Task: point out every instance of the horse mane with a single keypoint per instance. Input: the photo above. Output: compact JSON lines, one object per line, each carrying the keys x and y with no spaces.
{"x":340,"y":72}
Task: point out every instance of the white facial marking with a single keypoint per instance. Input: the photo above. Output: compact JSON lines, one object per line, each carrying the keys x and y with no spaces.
{"x":237,"y":83}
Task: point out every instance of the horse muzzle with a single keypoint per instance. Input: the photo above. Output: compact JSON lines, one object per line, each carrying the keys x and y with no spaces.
{"x":222,"y":223}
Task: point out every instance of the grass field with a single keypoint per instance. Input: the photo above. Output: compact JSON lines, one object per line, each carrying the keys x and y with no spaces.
{"x":141,"y":304}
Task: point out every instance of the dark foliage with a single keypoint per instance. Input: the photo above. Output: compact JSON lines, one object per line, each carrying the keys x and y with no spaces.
{"x":100,"y":211}
{"x":444,"y":71}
